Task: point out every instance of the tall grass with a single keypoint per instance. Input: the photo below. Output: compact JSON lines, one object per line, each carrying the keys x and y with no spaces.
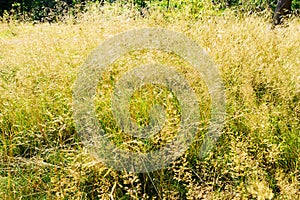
{"x":257,"y":156}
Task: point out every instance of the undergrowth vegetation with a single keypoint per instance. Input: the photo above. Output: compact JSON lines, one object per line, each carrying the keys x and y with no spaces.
{"x":257,"y":156}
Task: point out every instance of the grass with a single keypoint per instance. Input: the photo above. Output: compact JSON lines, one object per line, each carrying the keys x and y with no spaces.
{"x":257,"y":156}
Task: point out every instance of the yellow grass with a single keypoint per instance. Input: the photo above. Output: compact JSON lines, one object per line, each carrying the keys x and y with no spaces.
{"x":257,"y":157}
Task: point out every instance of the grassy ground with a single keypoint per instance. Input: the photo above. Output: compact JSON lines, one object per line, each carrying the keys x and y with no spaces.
{"x":257,"y":156}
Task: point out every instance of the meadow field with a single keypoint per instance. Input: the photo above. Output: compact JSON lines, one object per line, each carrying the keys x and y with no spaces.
{"x":257,"y":156}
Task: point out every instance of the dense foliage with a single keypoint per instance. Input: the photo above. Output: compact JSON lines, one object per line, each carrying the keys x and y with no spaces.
{"x":48,"y":10}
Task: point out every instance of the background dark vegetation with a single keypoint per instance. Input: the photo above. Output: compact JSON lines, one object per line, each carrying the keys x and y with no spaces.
{"x":52,"y":10}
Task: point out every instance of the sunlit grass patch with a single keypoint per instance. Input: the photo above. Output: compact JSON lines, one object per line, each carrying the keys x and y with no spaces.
{"x":43,"y":157}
